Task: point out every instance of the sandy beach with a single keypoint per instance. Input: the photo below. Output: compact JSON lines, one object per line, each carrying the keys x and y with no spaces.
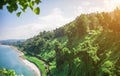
{"x":26,"y":62}
{"x":32,"y":66}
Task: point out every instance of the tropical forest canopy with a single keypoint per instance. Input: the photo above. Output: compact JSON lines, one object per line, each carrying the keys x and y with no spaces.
{"x":87,"y":46}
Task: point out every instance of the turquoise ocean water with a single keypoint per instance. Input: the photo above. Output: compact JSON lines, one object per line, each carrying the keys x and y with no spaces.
{"x":10,"y":59}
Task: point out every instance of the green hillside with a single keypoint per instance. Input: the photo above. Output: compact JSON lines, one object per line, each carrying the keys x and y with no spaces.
{"x":87,"y":46}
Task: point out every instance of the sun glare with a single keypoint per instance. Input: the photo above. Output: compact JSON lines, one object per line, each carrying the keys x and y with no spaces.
{"x":112,"y":4}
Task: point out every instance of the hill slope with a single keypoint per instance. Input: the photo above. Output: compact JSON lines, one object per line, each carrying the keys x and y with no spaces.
{"x":87,"y":46}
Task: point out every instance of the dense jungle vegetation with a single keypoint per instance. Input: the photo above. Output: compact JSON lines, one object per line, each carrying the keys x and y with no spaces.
{"x":87,"y":46}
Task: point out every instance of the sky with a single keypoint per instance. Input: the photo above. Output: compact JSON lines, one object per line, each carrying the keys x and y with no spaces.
{"x":53,"y":14}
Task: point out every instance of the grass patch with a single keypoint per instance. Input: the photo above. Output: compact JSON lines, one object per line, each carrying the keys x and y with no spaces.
{"x":38,"y":63}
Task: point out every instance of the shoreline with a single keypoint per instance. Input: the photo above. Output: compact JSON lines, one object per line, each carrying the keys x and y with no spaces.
{"x":18,"y":51}
{"x":32,"y":66}
{"x":25,"y":61}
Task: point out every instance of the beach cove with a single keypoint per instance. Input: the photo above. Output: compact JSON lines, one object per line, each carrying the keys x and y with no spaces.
{"x":11,"y":58}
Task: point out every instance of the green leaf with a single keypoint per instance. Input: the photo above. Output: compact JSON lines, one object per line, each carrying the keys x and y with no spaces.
{"x":15,"y":7}
{"x":28,"y":0}
{"x":24,"y":7}
{"x":37,"y":1}
{"x":10,"y":9}
{"x":37,"y":10}
{"x":32,"y":3}
{"x":31,"y":7}
{"x":18,"y":14}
